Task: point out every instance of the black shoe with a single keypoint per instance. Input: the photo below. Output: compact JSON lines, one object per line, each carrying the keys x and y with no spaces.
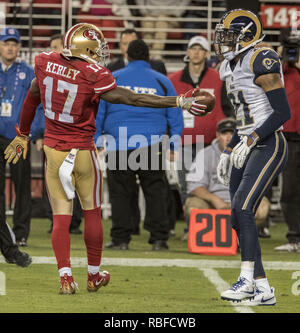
{"x":75,"y":231}
{"x":160,"y":246}
{"x":21,"y":259}
{"x":22,"y":242}
{"x":264,"y":232}
{"x":113,"y":246}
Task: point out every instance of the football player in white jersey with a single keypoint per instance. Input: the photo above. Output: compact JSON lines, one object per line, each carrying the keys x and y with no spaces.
{"x":258,"y":150}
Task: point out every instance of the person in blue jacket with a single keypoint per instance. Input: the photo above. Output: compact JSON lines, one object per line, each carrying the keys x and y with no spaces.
{"x":15,"y":79}
{"x":135,"y":134}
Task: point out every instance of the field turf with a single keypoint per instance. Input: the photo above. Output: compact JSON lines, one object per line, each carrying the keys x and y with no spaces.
{"x":137,"y":287}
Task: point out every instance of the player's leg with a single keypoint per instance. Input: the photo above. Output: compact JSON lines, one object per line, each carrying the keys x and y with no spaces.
{"x":244,"y":287}
{"x":263,"y":166}
{"x":88,"y":184}
{"x":62,"y":213}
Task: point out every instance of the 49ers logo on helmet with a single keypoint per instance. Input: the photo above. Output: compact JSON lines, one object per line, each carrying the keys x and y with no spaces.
{"x":92,"y":34}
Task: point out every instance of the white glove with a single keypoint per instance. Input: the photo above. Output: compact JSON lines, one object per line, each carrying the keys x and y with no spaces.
{"x":223,"y":168}
{"x":240,"y":151}
{"x":65,"y":173}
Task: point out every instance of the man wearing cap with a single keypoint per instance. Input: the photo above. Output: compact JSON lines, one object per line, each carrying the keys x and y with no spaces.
{"x":196,"y":73}
{"x":15,"y":80}
{"x":203,"y":186}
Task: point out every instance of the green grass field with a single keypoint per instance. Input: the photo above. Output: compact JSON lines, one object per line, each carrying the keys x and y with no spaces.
{"x":139,"y":288}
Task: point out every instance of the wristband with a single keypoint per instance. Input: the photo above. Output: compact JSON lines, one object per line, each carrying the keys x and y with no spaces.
{"x":226,"y":151}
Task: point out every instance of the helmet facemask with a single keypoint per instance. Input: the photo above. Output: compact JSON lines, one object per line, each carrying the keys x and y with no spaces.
{"x":99,"y":55}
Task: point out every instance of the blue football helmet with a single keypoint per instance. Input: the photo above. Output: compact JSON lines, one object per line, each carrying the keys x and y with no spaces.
{"x":238,"y":30}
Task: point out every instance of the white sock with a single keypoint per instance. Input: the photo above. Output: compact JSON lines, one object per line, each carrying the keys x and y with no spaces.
{"x":247,"y":270}
{"x":65,"y":270}
{"x":262,"y":284}
{"x":93,"y":269}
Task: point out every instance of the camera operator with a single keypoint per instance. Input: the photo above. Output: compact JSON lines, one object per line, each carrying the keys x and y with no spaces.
{"x":290,"y":197}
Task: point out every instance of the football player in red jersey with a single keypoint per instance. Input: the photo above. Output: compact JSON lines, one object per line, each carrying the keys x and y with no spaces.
{"x":70,"y":85}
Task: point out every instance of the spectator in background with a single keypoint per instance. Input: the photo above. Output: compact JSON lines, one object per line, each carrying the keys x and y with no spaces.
{"x":127,"y":36}
{"x":203,"y":186}
{"x":196,"y":73}
{"x":290,"y":196}
{"x":15,"y":79}
{"x":157,"y":21}
{"x":111,"y":118}
{"x":57,"y":43}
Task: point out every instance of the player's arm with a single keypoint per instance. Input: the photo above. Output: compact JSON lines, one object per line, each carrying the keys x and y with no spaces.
{"x":275,"y":92}
{"x":19,"y":144}
{"x":121,"y":95}
{"x":266,"y":67}
{"x":32,"y":101}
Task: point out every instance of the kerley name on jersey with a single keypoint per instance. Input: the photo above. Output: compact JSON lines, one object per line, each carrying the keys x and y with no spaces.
{"x":70,"y":93}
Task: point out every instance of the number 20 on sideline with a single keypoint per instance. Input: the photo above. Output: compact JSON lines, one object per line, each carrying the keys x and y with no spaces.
{"x":210,"y":233}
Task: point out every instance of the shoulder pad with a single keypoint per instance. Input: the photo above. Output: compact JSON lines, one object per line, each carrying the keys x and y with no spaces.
{"x":264,"y":61}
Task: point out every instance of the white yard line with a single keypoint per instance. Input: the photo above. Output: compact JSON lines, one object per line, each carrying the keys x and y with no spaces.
{"x":213,"y":276}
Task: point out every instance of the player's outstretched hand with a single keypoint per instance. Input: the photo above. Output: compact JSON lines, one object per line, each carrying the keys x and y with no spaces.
{"x":197,"y":101}
{"x":16,"y":148}
{"x":192,"y":104}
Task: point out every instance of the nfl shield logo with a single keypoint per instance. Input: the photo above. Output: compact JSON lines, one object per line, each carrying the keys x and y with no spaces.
{"x":22,"y":76}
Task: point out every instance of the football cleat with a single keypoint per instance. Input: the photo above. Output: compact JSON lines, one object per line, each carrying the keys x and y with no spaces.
{"x":95,"y":281}
{"x":240,"y":290}
{"x":67,"y":285}
{"x":262,"y":297}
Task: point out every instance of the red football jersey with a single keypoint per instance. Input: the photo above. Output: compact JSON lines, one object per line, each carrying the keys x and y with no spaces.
{"x":70,"y":92}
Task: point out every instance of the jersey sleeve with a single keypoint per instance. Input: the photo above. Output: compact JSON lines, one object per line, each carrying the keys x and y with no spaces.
{"x":105,"y":82}
{"x":265,"y":61}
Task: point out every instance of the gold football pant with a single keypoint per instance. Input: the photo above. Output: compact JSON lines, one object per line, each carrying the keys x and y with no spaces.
{"x":86,"y":178}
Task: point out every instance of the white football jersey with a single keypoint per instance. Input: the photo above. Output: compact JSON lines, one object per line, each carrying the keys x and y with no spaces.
{"x":250,"y":102}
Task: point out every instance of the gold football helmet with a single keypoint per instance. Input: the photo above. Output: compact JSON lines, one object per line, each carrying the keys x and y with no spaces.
{"x":87,"y":42}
